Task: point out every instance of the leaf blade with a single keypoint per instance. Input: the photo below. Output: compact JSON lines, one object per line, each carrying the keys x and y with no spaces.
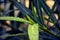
{"x":33,"y":32}
{"x":14,"y":19}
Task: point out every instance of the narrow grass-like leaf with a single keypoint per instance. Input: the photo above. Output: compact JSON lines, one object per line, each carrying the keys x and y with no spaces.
{"x":28,"y":17}
{"x":51,"y":15}
{"x":55,"y":4}
{"x":33,"y":10}
{"x":24,"y":10}
{"x":45,"y":7}
{"x":38,"y":12}
{"x":33,"y":32}
{"x":49,"y":31}
{"x":14,"y":19}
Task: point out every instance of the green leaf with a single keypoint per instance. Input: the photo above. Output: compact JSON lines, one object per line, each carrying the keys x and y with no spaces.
{"x":15,"y":19}
{"x":28,"y":17}
{"x":33,"y":32}
{"x":24,"y":10}
{"x":33,"y":10}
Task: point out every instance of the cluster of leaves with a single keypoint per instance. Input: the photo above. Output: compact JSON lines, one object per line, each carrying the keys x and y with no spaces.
{"x":35,"y":18}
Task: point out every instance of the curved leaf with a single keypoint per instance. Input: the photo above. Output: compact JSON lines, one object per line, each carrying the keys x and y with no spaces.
{"x":14,"y":19}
